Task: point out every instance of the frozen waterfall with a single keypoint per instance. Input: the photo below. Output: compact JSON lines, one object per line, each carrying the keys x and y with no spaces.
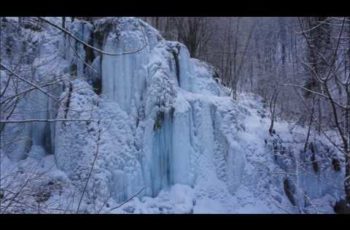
{"x":157,"y":122}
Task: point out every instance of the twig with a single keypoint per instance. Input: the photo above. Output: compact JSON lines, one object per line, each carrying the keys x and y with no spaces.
{"x":92,"y":167}
{"x":90,"y":46}
{"x":28,"y":82}
{"x":42,"y":120}
{"x":128,"y":199}
{"x":317,"y":93}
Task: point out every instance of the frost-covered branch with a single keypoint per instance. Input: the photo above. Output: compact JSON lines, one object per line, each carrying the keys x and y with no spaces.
{"x":92,"y":47}
{"x":28,"y":82}
{"x":92,"y":167}
{"x":27,"y":91}
{"x":132,"y":197}
{"x":80,"y":58}
{"x":311,"y":29}
{"x":317,"y":93}
{"x":42,"y":120}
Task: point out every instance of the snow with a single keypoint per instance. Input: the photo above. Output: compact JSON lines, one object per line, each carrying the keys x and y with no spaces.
{"x":176,"y":199}
{"x":40,"y":185}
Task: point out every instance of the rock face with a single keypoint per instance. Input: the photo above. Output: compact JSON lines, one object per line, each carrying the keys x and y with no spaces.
{"x":148,"y":116}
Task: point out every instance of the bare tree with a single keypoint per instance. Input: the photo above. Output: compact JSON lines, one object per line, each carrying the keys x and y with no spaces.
{"x":320,"y":87}
{"x":273,"y":110}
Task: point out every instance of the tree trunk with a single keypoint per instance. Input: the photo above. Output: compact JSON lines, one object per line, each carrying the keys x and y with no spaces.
{"x":310,"y":124}
{"x":347,"y":179}
{"x":63,"y":22}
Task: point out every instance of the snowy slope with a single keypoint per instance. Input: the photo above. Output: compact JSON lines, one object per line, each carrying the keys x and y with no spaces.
{"x":160,"y":128}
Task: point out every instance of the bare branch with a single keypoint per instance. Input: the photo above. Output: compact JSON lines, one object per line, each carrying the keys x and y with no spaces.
{"x":28,"y":82}
{"x":92,"y":166}
{"x":132,"y":197}
{"x":42,"y":120}
{"x":317,"y":93}
{"x":92,"y":47}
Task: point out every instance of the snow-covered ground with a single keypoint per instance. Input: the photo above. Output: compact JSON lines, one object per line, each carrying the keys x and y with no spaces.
{"x":162,"y":137}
